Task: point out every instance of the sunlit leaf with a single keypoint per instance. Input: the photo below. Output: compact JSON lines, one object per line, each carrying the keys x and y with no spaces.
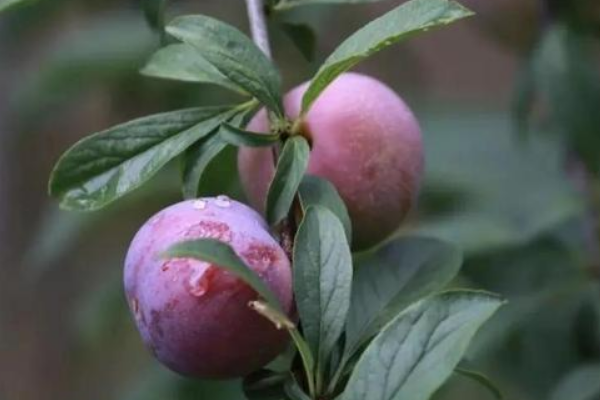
{"x":107,"y":165}
{"x":418,"y":350}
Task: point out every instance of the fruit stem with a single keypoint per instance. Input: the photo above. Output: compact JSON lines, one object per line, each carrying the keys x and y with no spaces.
{"x":260,"y":36}
{"x":258,"y":25}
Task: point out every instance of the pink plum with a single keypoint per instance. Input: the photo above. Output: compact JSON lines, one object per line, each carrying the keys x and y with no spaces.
{"x":193,"y":315}
{"x":364,"y":139}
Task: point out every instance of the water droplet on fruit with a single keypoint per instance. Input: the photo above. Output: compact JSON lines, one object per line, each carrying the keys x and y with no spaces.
{"x":223,"y":201}
{"x":199,"y":204}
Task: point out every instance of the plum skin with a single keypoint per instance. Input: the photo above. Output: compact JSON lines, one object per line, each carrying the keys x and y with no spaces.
{"x":194,"y":316}
{"x":364,"y":140}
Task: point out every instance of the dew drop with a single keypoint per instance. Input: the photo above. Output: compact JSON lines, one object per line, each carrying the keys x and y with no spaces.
{"x":199,"y":204}
{"x":223,"y":201}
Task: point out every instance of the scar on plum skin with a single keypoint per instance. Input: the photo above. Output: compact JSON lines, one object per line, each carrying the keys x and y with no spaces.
{"x":210,"y":230}
{"x":261,"y":255}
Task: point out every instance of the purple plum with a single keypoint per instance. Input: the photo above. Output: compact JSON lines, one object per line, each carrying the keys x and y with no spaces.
{"x":193,"y":315}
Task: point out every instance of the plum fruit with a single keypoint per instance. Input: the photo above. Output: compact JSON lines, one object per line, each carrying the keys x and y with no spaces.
{"x":193,"y":315}
{"x":364,"y":140}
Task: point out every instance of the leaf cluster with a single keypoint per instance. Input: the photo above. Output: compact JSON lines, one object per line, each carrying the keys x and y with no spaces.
{"x":370,"y":326}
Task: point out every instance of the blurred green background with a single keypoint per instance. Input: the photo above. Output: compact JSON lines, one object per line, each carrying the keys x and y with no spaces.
{"x":521,"y":206}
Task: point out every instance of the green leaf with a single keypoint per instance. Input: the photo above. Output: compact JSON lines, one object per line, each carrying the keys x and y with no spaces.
{"x":264,"y":385}
{"x":568,"y":83}
{"x":308,"y":359}
{"x":404,"y":21}
{"x":303,"y":37}
{"x":322,"y":280}
{"x":154,"y":11}
{"x":107,"y":165}
{"x":281,"y":321}
{"x":392,"y":278}
{"x":184,"y":63}
{"x":198,"y":157}
{"x":223,"y":256}
{"x":240,"y":137}
{"x":7,"y":4}
{"x":291,"y":166}
{"x":418,"y":350}
{"x":234,"y":55}
{"x":288,"y":4}
{"x":481,"y":379}
{"x":581,"y":384}
{"x":294,"y":391}
{"x":318,"y":191}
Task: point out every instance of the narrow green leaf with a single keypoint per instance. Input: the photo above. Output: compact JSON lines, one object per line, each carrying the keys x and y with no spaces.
{"x":107,"y":165}
{"x":322,"y":279}
{"x":393,"y":277}
{"x":402,"y":22}
{"x":418,"y":350}
{"x":222,"y":255}
{"x":234,"y":55}
{"x":289,"y":4}
{"x":568,"y":84}
{"x":581,"y":384}
{"x":197,"y":158}
{"x":481,"y":379}
{"x":318,"y":191}
{"x":6,"y":4}
{"x":240,"y":137}
{"x":154,"y":11}
{"x":264,"y":385}
{"x":184,"y":63}
{"x":308,"y":359}
{"x":281,"y":321}
{"x":303,"y":37}
{"x":291,"y":166}
{"x":294,"y":391}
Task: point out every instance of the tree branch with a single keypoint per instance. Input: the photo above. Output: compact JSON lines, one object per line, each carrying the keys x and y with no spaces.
{"x":258,"y":25}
